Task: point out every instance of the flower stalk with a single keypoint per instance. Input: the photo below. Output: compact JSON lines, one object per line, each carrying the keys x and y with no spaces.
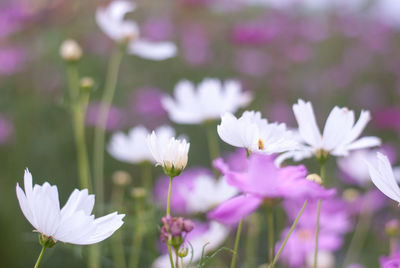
{"x":236,"y":246}
{"x":99,"y":136}
{"x":40,"y":257}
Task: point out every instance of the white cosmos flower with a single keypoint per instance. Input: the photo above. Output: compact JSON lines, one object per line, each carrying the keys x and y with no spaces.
{"x":73,"y":223}
{"x":340,"y":134}
{"x":172,"y":155}
{"x":207,"y":193}
{"x":206,"y":242}
{"x":254,"y":133}
{"x":110,"y":19}
{"x":132,"y":147}
{"x":208,"y":101}
{"x":382,"y":176}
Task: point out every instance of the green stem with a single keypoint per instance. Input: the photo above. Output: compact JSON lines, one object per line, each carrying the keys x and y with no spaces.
{"x":213,"y":146}
{"x":252,"y":239}
{"x":288,"y":235}
{"x":271,"y":242}
{"x":147,"y":177}
{"x":168,"y":214}
{"x":118,"y":255}
{"x":99,"y":137}
{"x":182,"y":262}
{"x":171,"y":260}
{"x":137,"y":239}
{"x":323,"y":178}
{"x":78,"y":108}
{"x":236,"y":246}
{"x":359,"y":236}
{"x":317,"y":234}
{"x":40,"y":257}
{"x":169,"y":197}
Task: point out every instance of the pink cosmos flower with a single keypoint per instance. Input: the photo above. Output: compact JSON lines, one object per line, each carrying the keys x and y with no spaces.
{"x":263,"y":180}
{"x":390,"y":261}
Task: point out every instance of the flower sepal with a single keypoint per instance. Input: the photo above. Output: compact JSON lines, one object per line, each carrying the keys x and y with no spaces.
{"x":171,"y":171}
{"x":46,"y":241}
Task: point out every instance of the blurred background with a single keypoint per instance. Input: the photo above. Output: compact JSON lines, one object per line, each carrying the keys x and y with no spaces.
{"x":339,"y":52}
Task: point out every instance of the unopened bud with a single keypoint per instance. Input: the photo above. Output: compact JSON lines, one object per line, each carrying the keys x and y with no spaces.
{"x":315,"y":178}
{"x":138,"y":192}
{"x":121,"y":178}
{"x":70,"y":50}
{"x":392,"y":228}
{"x":183,"y":252}
{"x":87,"y":83}
{"x":350,"y":195}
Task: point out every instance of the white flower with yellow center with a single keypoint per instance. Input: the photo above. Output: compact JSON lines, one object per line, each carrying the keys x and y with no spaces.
{"x":255,"y":134}
{"x":340,"y":134}
{"x":71,"y":224}
{"x":110,"y":19}
{"x":208,"y":101}
{"x":171,"y":155}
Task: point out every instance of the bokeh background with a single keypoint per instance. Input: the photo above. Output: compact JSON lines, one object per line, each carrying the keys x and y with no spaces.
{"x":340,"y":52}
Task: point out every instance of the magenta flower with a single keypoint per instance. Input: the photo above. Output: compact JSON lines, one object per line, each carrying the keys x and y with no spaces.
{"x":387,"y":118}
{"x":263,"y":180}
{"x":334,"y":223}
{"x":390,"y":261}
{"x":12,"y":60}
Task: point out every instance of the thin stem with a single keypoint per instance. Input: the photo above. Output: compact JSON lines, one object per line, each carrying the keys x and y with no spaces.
{"x":118,"y":255}
{"x":99,"y":137}
{"x":40,"y":257}
{"x":322,"y":174}
{"x":176,"y":259}
{"x":288,"y":235}
{"x":236,"y":246}
{"x":271,"y":242}
{"x":168,"y":214}
{"x":317,"y":234}
{"x":359,"y":236}
{"x":169,"y":197}
{"x":213,"y":147}
{"x":252,"y":239}
{"x":171,"y":260}
{"x":137,"y":237}
{"x":78,"y":108}
{"x":182,"y":262}
{"x":147,"y":177}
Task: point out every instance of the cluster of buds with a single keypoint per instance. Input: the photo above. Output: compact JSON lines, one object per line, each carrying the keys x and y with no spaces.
{"x":174,"y":230}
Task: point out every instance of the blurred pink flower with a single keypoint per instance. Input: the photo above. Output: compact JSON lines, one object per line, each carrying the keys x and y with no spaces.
{"x":252,"y":62}
{"x":12,"y":60}
{"x":6,"y":129}
{"x":334,"y":223}
{"x":12,"y":18}
{"x":115,"y":120}
{"x":158,"y":29}
{"x":392,"y":261}
{"x":387,"y":118}
{"x":196,"y":45}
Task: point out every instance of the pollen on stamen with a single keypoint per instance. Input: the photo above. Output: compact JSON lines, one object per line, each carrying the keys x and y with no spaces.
{"x":260,"y":144}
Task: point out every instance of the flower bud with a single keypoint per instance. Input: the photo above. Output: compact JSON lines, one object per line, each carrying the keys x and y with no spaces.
{"x":315,"y":178}
{"x":392,"y":228}
{"x":70,"y":51}
{"x":121,"y":178}
{"x":350,"y":195}
{"x":183,"y":252}
{"x":138,"y":192}
{"x":87,"y":83}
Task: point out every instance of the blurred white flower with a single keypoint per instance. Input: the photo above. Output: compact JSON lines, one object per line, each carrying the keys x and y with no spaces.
{"x":132,"y":147}
{"x":254,"y":133}
{"x":339,"y":136}
{"x":73,"y":223}
{"x":205,"y":242}
{"x":207,"y":193}
{"x":172,"y":155}
{"x":382,"y":176}
{"x":110,"y":19}
{"x":208,"y":102}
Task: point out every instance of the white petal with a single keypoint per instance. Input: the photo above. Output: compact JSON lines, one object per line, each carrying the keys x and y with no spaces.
{"x":382,"y":176}
{"x":308,"y":128}
{"x":152,"y":50}
{"x":338,"y":125}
